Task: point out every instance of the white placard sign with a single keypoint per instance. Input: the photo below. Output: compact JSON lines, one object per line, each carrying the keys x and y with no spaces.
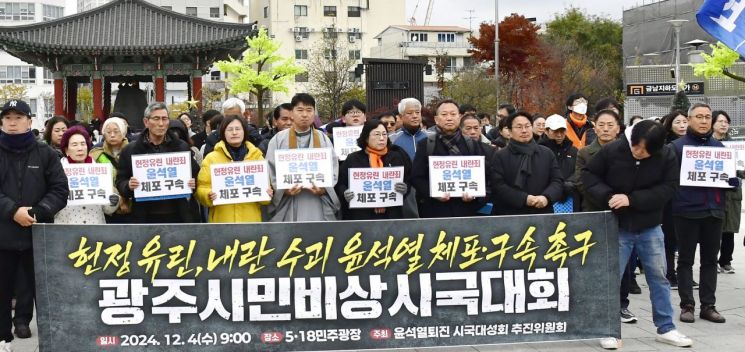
{"x":374,"y":187}
{"x":345,"y":140}
{"x":162,"y":176}
{"x":707,"y":167}
{"x":305,"y":167}
{"x":90,"y":184}
{"x":739,"y":147}
{"x":243,"y":182}
{"x":456,"y":175}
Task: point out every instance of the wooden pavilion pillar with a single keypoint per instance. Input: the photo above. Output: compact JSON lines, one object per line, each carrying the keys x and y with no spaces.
{"x":160,"y":87}
{"x":98,"y":96}
{"x":196,"y":90}
{"x":59,"y":94}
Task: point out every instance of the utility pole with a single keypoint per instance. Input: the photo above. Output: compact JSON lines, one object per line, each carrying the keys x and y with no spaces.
{"x":496,"y":45}
{"x":470,"y":20}
{"x":677,"y":24}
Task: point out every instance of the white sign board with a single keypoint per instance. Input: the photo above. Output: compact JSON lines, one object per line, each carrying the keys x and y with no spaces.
{"x":90,"y":184}
{"x":345,"y":140}
{"x":243,"y":182}
{"x":162,"y":176}
{"x":306,"y":167}
{"x":456,"y":175}
{"x":374,"y":187}
{"x":739,"y":147}
{"x":707,"y":167}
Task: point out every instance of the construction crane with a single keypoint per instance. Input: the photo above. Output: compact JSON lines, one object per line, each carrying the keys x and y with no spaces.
{"x":412,"y":20}
{"x":429,"y":13}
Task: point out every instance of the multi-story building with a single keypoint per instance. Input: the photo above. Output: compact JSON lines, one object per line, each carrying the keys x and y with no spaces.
{"x":443,"y":47}
{"x":38,"y":81}
{"x":85,"y":5}
{"x":300,"y":25}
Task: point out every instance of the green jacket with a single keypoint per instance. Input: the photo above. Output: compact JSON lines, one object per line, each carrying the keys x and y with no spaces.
{"x":732,"y":205}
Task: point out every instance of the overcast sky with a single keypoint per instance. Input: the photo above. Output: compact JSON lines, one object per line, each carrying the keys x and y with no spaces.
{"x":455,"y":12}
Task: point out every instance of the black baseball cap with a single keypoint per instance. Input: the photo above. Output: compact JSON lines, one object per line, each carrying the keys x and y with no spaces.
{"x":17,"y":105}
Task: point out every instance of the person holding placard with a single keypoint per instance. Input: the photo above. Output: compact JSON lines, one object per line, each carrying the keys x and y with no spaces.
{"x":376,"y":152}
{"x":733,"y":200}
{"x":448,"y":141}
{"x":526,"y":178}
{"x":33,"y":187}
{"x":310,"y":202}
{"x":698,"y":214}
{"x":233,"y":147}
{"x":114,"y":140}
{"x":75,"y":144}
{"x":155,"y":139}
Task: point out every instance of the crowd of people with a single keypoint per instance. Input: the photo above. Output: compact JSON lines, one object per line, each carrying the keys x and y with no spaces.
{"x":571,"y":162}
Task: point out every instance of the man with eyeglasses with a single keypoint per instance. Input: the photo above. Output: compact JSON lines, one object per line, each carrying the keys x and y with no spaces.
{"x":155,"y":139}
{"x":698,"y":214}
{"x":352,"y":114}
{"x":388,"y":120}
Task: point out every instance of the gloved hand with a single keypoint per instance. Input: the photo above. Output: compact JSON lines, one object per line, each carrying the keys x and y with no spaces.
{"x":348,"y":195}
{"x":113,"y":200}
{"x":734,"y":182}
{"x":400,"y":187}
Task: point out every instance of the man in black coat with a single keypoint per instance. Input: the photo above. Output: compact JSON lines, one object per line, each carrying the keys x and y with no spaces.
{"x":525,"y":176}
{"x":153,"y":140}
{"x":33,"y":188}
{"x":448,"y":141}
{"x":635,"y":176}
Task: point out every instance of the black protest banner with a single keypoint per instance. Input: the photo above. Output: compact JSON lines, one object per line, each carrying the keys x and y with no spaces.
{"x":327,"y":285}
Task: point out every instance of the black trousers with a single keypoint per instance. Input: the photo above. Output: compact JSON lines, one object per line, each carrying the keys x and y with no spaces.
{"x":668,"y":229}
{"x":10,"y":261}
{"x":707,"y":233}
{"x":628,"y":276}
{"x":25,"y":290}
{"x":728,"y":247}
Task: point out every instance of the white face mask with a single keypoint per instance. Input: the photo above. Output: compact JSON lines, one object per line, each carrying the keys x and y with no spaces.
{"x":580,"y":108}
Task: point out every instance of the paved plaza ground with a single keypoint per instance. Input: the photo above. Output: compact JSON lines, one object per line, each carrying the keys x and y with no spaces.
{"x":707,"y":336}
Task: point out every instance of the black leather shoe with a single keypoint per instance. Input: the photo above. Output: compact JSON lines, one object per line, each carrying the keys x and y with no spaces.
{"x":710,"y":313}
{"x":22,"y":331}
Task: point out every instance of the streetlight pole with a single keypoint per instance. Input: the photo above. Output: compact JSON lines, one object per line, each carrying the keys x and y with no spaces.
{"x":677,"y":24}
{"x":496,"y":46}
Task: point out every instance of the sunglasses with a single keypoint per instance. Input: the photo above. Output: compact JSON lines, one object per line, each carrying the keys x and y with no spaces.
{"x":388,"y":123}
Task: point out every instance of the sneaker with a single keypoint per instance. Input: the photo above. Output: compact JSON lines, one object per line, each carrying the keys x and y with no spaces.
{"x":710,"y":313}
{"x":727,"y":269}
{"x":687,"y":314}
{"x":627,"y":317}
{"x":611,"y":343}
{"x":675,"y":338}
{"x":634,"y":288}
{"x":22,"y":331}
{"x":720,"y":269}
{"x":5,"y":347}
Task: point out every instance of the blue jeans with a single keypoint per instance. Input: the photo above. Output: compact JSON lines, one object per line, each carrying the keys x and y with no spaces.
{"x":650,"y":246}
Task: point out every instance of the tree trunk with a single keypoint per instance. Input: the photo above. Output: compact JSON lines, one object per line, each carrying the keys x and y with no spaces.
{"x":260,"y":108}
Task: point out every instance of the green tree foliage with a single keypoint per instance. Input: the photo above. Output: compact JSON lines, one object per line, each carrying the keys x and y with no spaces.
{"x":10,"y":91}
{"x":680,"y":102}
{"x":473,"y":87}
{"x":260,"y":70}
{"x":718,"y":63}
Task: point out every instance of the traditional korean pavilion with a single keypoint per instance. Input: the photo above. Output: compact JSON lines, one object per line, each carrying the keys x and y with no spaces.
{"x":121,"y":41}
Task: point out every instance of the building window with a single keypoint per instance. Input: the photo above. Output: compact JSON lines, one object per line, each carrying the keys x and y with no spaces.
{"x":301,"y":77}
{"x":17,"y":11}
{"x":169,"y":8}
{"x":191,"y":11}
{"x":301,"y":54}
{"x":266,"y":11}
{"x":214,"y":12}
{"x":214,"y":75}
{"x":301,"y":10}
{"x":48,"y":76}
{"x":449,"y":64}
{"x":329,"y":54}
{"x":52,"y":12}
{"x":329,"y":33}
{"x":446,"y":37}
{"x":18,"y":74}
{"x":418,"y":37}
{"x":355,"y":55}
{"x":353,"y":11}
{"x":33,"y":105}
{"x":329,"y":11}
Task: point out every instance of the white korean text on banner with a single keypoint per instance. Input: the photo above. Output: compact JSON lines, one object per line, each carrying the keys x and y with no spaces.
{"x":345,"y":140}
{"x":306,"y":167}
{"x":739,"y":147}
{"x":162,"y":176}
{"x":331,"y":285}
{"x":374,"y":187}
{"x":456,"y":175}
{"x":90,"y":184}
{"x":707,"y":167}
{"x":243,"y":182}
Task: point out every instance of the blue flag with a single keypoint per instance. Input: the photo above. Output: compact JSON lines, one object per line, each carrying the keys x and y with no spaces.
{"x":722,"y":20}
